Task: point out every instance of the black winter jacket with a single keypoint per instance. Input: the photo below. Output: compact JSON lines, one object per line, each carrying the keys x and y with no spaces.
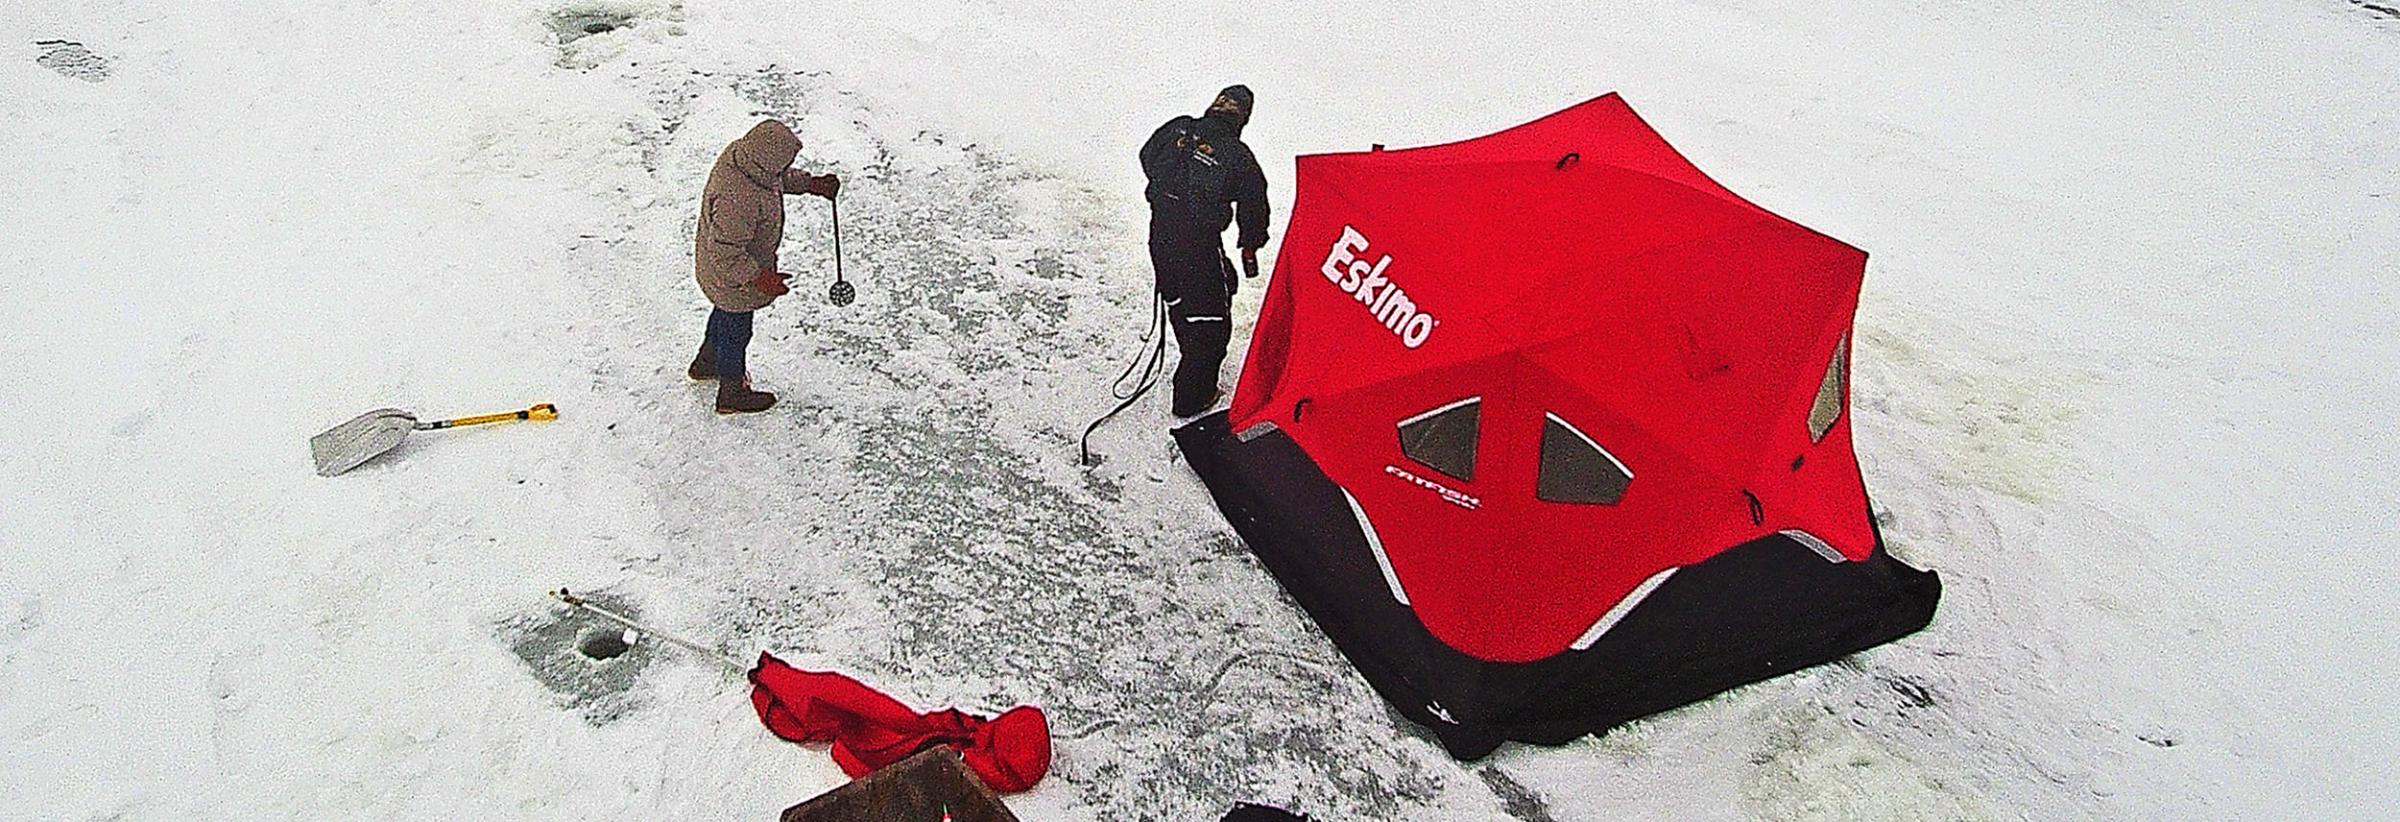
{"x":1241,"y":190}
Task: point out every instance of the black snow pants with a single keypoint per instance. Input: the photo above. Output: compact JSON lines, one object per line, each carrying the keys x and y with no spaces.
{"x":1194,"y":279}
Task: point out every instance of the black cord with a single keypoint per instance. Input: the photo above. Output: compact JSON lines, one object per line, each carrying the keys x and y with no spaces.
{"x":1150,"y":360}
{"x":1117,"y":388}
{"x":1196,"y":701}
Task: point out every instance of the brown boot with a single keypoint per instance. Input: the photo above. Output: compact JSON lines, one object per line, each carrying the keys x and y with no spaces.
{"x":735,"y":397}
{"x":704,"y":367}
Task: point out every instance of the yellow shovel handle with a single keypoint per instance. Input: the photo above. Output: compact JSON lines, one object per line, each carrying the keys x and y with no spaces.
{"x":544,"y":411}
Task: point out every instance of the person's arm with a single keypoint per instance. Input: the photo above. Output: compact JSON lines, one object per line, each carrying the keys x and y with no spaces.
{"x":732,"y":231}
{"x":796,"y":181}
{"x":735,"y":232}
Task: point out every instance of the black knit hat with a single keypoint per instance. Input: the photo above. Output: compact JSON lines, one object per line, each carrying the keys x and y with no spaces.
{"x":1236,"y":100}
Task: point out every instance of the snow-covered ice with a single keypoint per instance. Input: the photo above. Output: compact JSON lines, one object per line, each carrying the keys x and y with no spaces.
{"x":2124,"y":375}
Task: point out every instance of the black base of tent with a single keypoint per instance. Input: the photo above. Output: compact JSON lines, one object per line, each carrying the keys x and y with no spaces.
{"x":1757,"y":611}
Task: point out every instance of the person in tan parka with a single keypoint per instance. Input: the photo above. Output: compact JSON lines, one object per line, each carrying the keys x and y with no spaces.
{"x":741,"y":223}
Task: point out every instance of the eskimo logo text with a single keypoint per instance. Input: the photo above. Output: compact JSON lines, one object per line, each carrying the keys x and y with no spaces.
{"x":1383,"y":298}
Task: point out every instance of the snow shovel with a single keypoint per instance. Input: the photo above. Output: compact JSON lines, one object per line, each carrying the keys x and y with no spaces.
{"x":345,"y":446}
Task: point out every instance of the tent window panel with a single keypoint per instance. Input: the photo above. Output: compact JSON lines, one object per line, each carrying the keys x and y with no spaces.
{"x":1575,"y":469}
{"x":1828,"y":406}
{"x":1443,"y":439}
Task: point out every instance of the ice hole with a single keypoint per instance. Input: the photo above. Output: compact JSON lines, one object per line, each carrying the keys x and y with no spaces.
{"x":602,"y":645}
{"x":587,"y":661}
{"x":576,"y":25}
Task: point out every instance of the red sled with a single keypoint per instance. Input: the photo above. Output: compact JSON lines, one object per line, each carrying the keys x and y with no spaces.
{"x":1549,"y":431}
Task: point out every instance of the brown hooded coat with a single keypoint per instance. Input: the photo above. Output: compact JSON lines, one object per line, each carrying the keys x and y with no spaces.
{"x":741,"y":215}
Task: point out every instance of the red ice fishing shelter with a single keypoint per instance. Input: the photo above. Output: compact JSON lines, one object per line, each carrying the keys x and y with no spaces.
{"x":1549,"y":431}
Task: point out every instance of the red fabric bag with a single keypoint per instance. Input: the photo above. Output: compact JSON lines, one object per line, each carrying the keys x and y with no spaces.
{"x":870,"y":730}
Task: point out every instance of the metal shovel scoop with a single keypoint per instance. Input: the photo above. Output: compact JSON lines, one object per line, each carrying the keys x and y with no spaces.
{"x":349,"y":444}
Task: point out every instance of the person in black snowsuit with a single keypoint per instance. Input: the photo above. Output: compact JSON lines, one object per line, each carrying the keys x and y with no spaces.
{"x":1203,"y":178}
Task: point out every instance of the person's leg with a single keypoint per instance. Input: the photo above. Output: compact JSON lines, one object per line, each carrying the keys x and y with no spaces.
{"x":729,"y":334}
{"x":704,"y":364}
{"x":729,"y":341}
{"x":1198,"y":310}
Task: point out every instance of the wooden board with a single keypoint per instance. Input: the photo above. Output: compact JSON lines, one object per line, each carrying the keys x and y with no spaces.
{"x":920,"y":788}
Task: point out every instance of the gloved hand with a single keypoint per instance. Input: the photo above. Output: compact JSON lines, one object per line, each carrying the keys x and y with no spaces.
{"x":1250,"y":263}
{"x":771,"y":283}
{"x":825,"y":185}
